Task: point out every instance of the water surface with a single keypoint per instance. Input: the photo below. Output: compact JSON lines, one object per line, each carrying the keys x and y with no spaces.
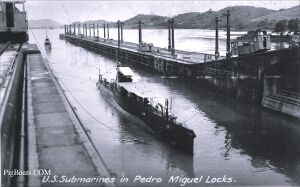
{"x":252,"y":145}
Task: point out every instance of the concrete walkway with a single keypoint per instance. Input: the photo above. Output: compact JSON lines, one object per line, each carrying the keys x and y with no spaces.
{"x":56,"y":139}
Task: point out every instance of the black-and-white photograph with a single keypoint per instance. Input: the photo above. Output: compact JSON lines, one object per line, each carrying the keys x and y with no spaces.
{"x":133,"y":93}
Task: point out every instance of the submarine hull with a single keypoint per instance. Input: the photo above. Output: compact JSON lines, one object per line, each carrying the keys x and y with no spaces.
{"x":175,"y":135}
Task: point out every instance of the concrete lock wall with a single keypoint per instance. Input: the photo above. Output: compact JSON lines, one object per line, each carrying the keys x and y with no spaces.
{"x":120,"y":54}
{"x":281,"y":90}
{"x":10,"y":127}
{"x":159,"y":64}
{"x":274,"y":102}
{"x":240,"y":78}
{"x":11,"y":122}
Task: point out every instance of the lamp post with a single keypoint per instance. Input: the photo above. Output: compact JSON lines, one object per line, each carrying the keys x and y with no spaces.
{"x":122,"y":24}
{"x":107,"y":25}
{"x":169,"y":34}
{"x":173,"y":39}
{"x":104,"y":31}
{"x":228,"y":52}
{"x":140,"y":32}
{"x":217,"y":54}
{"x":118,"y":24}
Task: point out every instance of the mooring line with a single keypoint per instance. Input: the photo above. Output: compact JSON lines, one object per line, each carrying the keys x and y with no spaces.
{"x":93,"y":117}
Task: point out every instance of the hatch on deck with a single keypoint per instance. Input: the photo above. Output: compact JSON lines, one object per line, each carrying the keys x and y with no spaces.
{"x":126,"y":71}
{"x":124,"y":74}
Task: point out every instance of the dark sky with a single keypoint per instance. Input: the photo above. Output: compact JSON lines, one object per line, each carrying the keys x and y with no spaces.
{"x":80,"y":10}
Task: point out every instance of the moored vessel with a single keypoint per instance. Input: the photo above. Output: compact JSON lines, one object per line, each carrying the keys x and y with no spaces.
{"x":137,"y":99}
{"x":252,"y":42}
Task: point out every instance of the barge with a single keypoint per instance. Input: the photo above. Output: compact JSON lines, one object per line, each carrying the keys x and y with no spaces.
{"x":138,"y":100}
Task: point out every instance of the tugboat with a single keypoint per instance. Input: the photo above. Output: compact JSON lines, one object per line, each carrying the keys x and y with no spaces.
{"x":138,"y":100}
{"x":47,"y":42}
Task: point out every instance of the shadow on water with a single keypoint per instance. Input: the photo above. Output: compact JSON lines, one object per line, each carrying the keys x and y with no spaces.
{"x":270,"y":138}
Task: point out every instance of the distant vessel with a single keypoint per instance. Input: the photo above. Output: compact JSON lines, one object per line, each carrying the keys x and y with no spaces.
{"x":47,"y":43}
{"x":252,"y":42}
{"x":132,"y":97}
